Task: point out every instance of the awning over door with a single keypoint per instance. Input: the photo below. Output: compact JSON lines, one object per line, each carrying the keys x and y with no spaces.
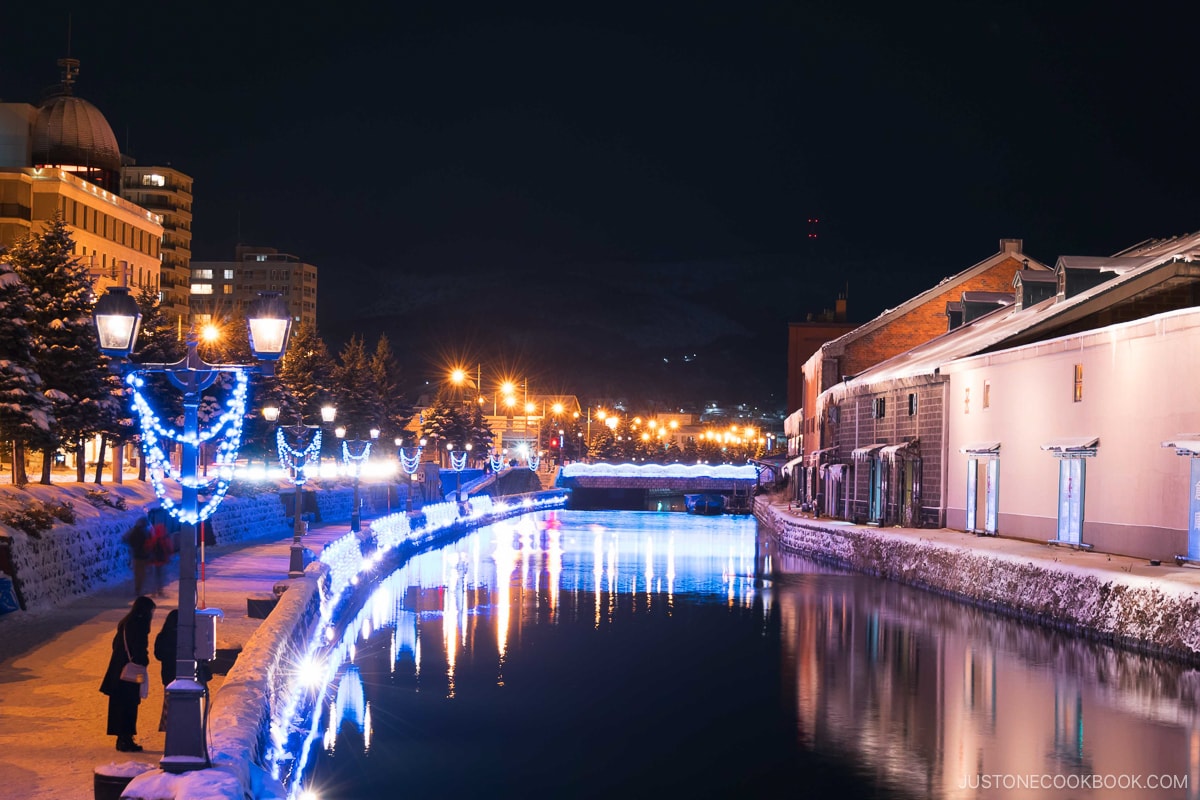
{"x":1185,"y":444}
{"x":815,"y":455}
{"x":1072,"y":444}
{"x":786,"y":469}
{"x":890,"y":452}
{"x":861,"y":453}
{"x":981,"y":449}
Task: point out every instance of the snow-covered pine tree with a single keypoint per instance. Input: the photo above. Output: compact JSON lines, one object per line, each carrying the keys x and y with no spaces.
{"x":305,"y":377}
{"x":64,"y":338}
{"x":25,"y":413}
{"x":357,"y":403}
{"x":390,"y":407}
{"x":157,"y":343}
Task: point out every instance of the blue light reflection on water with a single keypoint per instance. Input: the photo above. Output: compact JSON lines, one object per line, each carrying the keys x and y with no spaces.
{"x":590,"y":654}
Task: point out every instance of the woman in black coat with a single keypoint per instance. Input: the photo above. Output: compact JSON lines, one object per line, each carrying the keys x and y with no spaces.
{"x":133,"y":636}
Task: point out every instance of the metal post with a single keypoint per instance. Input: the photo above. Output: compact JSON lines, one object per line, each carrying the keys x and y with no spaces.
{"x":355,"y":514}
{"x":185,"y":747}
{"x":296,"y":564}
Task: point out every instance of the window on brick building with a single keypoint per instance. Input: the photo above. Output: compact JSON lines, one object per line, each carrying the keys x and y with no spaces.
{"x":878,"y":407}
{"x":912,"y":404}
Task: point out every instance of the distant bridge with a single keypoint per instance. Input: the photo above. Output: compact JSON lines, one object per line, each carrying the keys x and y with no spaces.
{"x":652,"y":486}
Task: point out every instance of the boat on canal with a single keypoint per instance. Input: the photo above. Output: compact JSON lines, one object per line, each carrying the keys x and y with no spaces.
{"x":707,"y":503}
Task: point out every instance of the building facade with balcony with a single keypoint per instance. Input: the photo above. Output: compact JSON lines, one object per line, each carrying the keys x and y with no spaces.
{"x":223,"y":290}
{"x":167,"y":192}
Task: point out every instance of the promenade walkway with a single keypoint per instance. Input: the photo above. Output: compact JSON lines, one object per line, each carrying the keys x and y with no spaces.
{"x":52,"y":715}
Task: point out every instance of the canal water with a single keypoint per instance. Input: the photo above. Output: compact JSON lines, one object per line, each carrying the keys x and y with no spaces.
{"x":632,"y":654}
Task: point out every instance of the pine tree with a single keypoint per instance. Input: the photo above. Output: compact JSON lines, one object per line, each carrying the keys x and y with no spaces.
{"x":305,"y":377}
{"x":390,"y":410}
{"x":479,"y":433}
{"x":25,"y":413}
{"x":68,"y":355}
{"x":356,"y":403}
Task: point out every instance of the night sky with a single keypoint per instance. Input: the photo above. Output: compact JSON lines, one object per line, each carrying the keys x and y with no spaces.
{"x":590,"y":192}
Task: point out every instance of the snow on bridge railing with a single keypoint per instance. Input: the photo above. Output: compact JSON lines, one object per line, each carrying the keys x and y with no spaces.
{"x":728,"y":471}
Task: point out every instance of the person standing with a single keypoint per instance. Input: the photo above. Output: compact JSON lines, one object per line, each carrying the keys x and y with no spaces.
{"x":130,"y":644}
{"x":166,"y":645}
{"x":138,"y":539}
{"x":159,"y":548}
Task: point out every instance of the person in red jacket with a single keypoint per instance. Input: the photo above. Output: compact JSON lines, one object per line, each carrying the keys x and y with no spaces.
{"x":159,"y":549}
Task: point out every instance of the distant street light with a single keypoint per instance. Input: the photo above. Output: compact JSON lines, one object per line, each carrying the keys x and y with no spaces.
{"x":296,"y":455}
{"x":355,"y":452}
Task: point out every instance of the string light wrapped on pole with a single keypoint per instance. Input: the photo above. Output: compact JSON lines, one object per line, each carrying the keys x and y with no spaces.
{"x":354,"y":453}
{"x":296,"y":458}
{"x":117,"y":319}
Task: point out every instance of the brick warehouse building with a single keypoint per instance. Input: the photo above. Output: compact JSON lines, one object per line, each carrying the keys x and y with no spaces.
{"x":895,"y":331}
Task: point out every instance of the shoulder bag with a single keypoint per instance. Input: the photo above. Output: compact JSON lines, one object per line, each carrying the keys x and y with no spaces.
{"x":134,"y":673}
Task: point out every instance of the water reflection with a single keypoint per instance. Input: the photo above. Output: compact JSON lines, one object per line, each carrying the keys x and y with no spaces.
{"x":955,"y":702}
{"x":867,"y":688}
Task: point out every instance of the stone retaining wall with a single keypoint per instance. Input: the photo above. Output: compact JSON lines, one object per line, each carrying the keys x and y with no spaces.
{"x":72,"y":560}
{"x":1143,"y":614}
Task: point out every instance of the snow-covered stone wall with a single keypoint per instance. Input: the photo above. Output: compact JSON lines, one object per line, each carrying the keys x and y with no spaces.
{"x":72,"y":560}
{"x":1144,"y":614}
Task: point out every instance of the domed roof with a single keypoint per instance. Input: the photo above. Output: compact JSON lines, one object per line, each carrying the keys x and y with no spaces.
{"x":71,"y":131}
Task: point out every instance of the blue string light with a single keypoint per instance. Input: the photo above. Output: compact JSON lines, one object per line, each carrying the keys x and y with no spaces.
{"x":410,"y":463}
{"x":458,"y":461}
{"x":158,"y":462}
{"x":297,"y":460}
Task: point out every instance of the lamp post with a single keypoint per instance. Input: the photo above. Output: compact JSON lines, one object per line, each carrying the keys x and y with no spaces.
{"x":410,"y":465}
{"x":361,"y":452}
{"x":117,"y":319}
{"x":458,"y":462}
{"x":308,"y":439}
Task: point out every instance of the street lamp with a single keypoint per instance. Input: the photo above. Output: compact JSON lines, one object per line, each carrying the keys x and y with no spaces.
{"x":458,"y":461}
{"x":409,"y":464}
{"x":117,"y":319}
{"x":297,"y":457}
{"x":356,"y":451}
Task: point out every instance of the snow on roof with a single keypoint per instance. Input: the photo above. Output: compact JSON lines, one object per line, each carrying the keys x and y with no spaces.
{"x":1005,"y":323}
{"x":929,"y":294}
{"x":1117,"y":264}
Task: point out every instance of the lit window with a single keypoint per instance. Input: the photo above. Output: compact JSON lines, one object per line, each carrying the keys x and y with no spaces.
{"x":153,"y":179}
{"x":228,"y":274}
{"x":987,"y":394}
{"x":202,"y":288}
{"x":203,"y":319}
{"x":227,"y":288}
{"x":202,"y":273}
{"x":1079,"y":383}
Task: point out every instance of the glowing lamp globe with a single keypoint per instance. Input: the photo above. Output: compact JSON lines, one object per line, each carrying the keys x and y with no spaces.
{"x":270,"y":324}
{"x":117,"y":318}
